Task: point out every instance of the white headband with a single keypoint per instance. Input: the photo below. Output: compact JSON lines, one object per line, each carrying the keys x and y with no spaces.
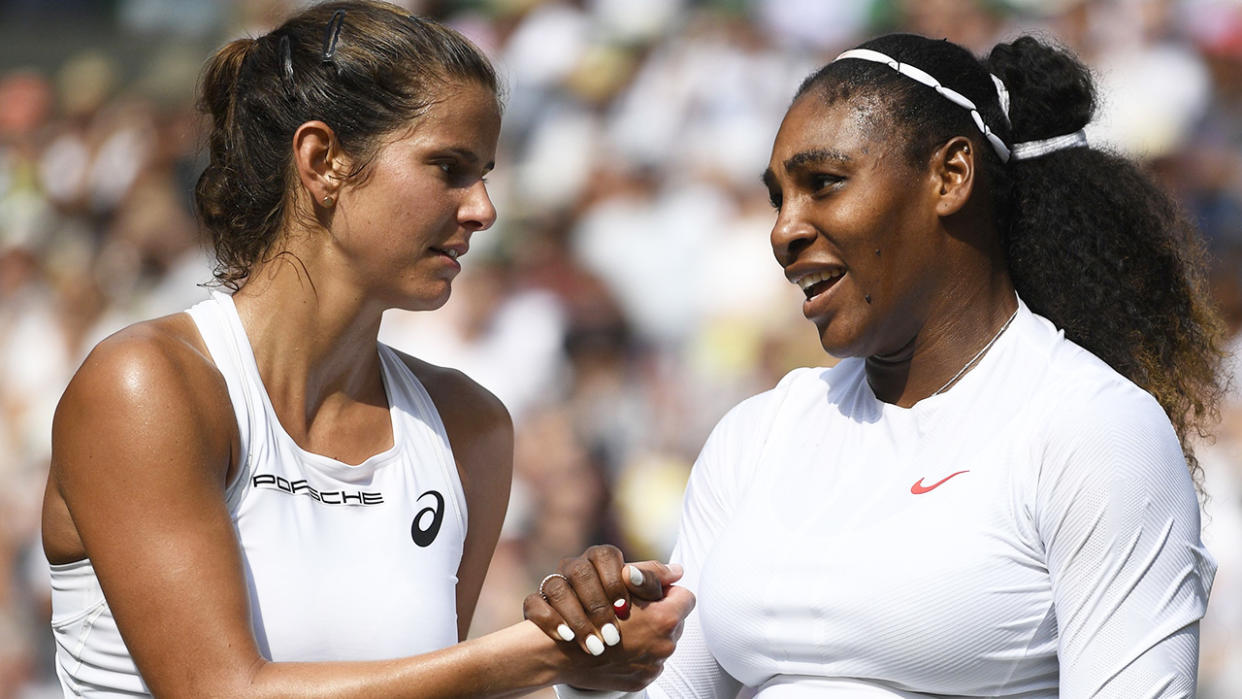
{"x":1002,"y":96}
{"x":1020,"y":151}
{"x":953,"y":95}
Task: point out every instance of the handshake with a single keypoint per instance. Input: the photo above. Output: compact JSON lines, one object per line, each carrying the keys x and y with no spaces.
{"x":625,"y":617}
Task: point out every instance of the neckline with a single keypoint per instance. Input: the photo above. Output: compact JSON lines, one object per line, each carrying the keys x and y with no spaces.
{"x":251,"y":366}
{"x":965,"y":384}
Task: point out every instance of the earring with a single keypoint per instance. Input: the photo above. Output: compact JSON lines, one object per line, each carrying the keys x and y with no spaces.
{"x":328,"y":200}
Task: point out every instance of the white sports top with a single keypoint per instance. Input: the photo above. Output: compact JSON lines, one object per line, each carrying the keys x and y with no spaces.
{"x":1032,"y":532}
{"x":342,"y":562}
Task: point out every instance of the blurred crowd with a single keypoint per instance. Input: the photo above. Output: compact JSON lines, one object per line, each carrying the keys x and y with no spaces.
{"x":627,"y":295}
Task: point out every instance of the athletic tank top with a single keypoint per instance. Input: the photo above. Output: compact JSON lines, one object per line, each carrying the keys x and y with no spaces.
{"x":342,"y":562}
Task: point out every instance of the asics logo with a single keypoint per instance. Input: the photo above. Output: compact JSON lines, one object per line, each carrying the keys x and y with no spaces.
{"x":428,"y":520}
{"x":918,"y":488}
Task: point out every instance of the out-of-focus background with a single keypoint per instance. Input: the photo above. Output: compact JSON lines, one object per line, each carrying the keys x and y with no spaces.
{"x":627,"y":295}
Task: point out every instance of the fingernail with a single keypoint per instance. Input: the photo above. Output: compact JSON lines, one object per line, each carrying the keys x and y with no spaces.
{"x":594,"y":645}
{"x":676,"y":569}
{"x":622,"y":609}
{"x":565,"y":632}
{"x":611,"y":635}
{"x":636,"y":576}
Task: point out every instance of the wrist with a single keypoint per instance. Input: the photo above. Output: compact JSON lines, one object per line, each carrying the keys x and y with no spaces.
{"x":551,"y":663}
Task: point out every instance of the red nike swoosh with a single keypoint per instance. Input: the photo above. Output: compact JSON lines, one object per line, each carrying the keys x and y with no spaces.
{"x":918,"y":488}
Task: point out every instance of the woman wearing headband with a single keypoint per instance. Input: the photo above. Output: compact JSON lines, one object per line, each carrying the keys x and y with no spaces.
{"x":992,"y":493}
{"x":257,"y":498}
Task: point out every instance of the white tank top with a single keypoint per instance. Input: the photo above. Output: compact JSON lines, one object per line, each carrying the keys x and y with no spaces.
{"x":342,"y":562}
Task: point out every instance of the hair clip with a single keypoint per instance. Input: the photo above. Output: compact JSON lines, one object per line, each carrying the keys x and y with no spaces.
{"x":331,"y":36}
{"x":286,"y":58}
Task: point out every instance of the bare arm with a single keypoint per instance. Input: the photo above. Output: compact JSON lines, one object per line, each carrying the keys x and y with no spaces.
{"x":141,"y":453}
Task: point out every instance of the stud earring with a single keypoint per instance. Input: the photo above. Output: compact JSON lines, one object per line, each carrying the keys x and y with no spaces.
{"x":328,"y":200}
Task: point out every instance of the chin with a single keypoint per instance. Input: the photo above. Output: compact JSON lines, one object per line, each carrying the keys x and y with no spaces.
{"x":837,"y":351}
{"x":853,"y":344}
{"x":841,"y":342}
{"x":421,"y":301}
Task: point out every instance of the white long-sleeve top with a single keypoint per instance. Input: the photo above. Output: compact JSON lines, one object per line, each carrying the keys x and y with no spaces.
{"x":1032,"y":532}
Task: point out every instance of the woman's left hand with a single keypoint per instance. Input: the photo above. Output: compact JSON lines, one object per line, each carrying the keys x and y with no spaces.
{"x":589,"y":594}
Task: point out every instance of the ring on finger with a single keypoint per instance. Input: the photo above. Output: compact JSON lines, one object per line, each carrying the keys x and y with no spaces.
{"x":545,"y":580}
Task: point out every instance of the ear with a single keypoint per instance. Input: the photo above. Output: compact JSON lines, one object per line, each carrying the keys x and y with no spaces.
{"x":953,"y":174}
{"x":319,"y":163}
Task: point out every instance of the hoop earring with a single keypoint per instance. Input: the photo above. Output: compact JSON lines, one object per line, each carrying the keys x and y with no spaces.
{"x":328,"y":201}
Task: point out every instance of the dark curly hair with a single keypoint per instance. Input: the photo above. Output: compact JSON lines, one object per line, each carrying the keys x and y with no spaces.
{"x":384,"y":69}
{"x":1092,"y":243}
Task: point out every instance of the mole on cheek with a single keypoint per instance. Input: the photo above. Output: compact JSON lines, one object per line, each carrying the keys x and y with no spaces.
{"x":867,"y":298}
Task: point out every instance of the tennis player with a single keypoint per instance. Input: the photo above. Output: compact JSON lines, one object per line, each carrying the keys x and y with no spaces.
{"x":256,"y":498}
{"x":990,"y":494}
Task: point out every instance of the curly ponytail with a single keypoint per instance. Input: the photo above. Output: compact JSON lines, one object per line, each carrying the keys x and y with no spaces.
{"x":1092,"y":243}
{"x":1101,"y":250}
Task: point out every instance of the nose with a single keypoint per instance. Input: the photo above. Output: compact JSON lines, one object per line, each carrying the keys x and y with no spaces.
{"x":791,"y":234}
{"x":477,"y":213}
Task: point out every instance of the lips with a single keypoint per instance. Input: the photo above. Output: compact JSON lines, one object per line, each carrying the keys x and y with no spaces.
{"x":816,"y":282}
{"x":452,"y":251}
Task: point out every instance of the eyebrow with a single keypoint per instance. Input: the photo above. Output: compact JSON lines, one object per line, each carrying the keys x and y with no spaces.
{"x":811,"y":157}
{"x":470,"y":157}
{"x":803,"y":159}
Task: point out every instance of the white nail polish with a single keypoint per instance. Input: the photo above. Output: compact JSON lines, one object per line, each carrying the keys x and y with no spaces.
{"x":565,"y":632}
{"x":594,"y":645}
{"x":619,"y":604}
{"x":636,"y":576}
{"x":611,"y":635}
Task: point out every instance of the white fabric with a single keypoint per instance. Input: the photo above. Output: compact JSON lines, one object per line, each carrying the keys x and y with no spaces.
{"x":332,"y":573}
{"x":1062,"y":559}
{"x":949,"y":93}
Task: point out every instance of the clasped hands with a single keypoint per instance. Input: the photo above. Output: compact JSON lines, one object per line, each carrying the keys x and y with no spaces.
{"x":625,"y":619}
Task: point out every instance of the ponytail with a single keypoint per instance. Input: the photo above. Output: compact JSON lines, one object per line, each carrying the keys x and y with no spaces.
{"x":240,"y":195}
{"x":1098,"y":248}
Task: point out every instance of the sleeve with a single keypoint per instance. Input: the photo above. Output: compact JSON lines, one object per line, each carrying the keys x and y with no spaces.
{"x":719,"y":477}
{"x":1119,"y":520}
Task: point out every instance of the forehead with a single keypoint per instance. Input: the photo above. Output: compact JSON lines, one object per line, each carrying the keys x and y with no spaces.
{"x":856,"y":127}
{"x":464,"y":114}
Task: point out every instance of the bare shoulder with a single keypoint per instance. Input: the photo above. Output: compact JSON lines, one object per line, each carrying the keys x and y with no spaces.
{"x":147,"y":363}
{"x":152,"y":383}
{"x":478,"y":424}
{"x":146,"y":406}
{"x":458,"y":397}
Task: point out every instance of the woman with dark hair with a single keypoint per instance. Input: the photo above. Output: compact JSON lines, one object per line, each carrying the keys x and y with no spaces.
{"x":989,"y":495}
{"x":257,"y":497}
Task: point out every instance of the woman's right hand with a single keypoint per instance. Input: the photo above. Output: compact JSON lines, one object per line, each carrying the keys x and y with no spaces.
{"x":588,"y":595}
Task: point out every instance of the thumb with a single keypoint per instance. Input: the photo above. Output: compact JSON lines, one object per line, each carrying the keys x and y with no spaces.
{"x":682,"y":598}
{"x":648,"y":580}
